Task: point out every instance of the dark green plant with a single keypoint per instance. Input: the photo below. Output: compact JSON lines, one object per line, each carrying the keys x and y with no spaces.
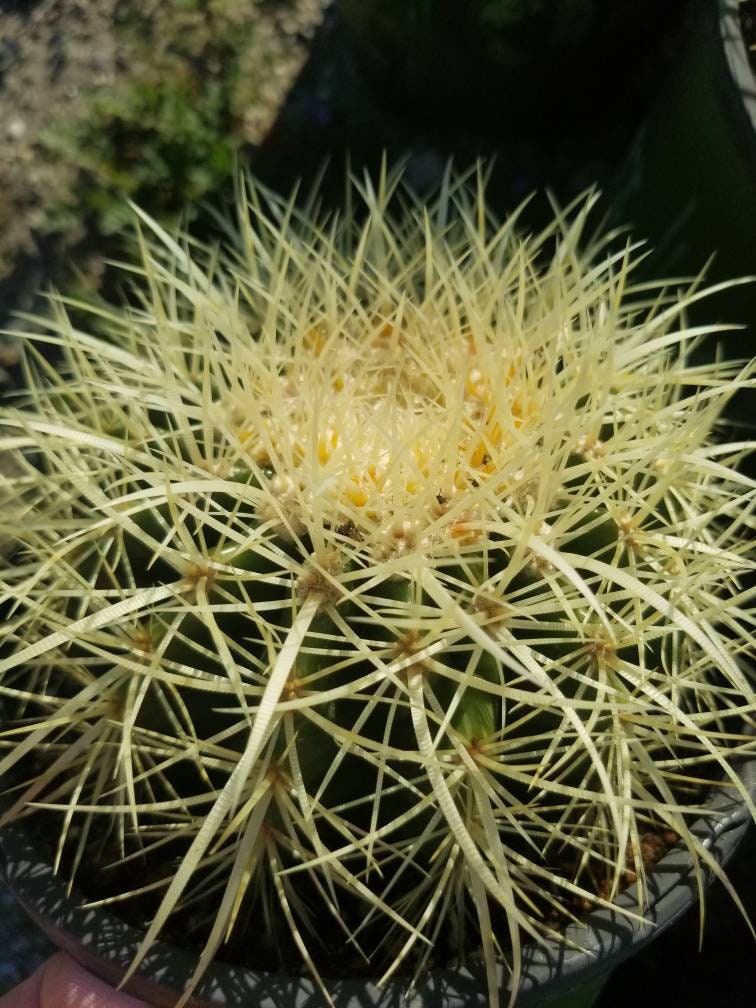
{"x":193,"y":92}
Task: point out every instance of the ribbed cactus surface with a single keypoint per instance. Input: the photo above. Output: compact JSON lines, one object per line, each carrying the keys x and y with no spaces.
{"x":380,"y":581}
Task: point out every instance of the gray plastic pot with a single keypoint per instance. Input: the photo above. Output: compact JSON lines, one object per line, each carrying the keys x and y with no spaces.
{"x":553,"y":975}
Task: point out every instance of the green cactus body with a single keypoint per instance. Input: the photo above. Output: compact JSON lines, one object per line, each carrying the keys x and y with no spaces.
{"x":391,"y":568}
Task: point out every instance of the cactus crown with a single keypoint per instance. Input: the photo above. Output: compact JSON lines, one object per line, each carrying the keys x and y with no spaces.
{"x":386,"y":570}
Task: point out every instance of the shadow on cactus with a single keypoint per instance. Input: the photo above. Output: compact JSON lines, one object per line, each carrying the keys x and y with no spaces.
{"x":380,"y":580}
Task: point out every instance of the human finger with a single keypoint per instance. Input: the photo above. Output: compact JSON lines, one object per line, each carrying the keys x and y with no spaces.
{"x":62,"y":983}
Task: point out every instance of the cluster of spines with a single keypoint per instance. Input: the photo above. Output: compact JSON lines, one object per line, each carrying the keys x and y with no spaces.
{"x":304,"y":625}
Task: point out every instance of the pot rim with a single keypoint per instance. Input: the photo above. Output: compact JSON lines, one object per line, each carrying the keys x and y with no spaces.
{"x":739,"y":75}
{"x":105,"y":945}
{"x":737,"y":55}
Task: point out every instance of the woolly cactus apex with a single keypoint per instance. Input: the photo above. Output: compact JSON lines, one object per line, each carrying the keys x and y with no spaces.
{"x":380,"y":580}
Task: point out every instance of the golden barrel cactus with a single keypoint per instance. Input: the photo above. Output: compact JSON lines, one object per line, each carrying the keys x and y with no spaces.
{"x":381,"y":579}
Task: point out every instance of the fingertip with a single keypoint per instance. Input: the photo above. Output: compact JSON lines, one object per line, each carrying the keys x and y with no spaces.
{"x":26,"y":995}
{"x":66,"y":984}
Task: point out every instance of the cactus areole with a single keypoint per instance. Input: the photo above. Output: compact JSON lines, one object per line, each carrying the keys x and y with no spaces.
{"x":375,"y":590}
